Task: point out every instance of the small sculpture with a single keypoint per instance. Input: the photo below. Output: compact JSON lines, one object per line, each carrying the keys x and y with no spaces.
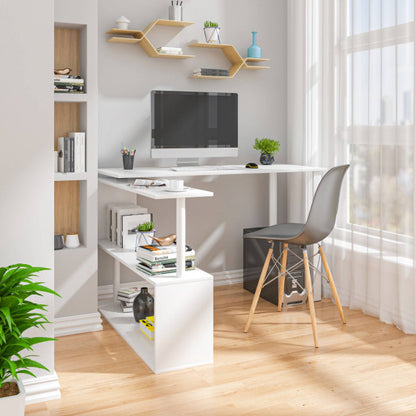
{"x":165,"y":241}
{"x":63,"y":71}
{"x":123,"y":23}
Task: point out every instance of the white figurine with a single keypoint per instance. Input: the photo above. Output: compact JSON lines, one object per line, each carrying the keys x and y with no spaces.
{"x":122,"y":23}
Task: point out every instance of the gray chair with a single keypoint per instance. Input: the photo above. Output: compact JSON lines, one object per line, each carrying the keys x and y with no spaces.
{"x":320,"y":222}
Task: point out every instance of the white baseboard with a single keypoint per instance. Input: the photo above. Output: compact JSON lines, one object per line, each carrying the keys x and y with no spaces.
{"x":228,"y":277}
{"x":41,"y":389}
{"x":78,"y":324}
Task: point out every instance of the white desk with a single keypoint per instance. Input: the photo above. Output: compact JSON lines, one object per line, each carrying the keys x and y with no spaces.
{"x":271,"y":170}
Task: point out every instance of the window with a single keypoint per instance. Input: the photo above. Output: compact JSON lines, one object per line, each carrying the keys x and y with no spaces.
{"x":377,"y":81}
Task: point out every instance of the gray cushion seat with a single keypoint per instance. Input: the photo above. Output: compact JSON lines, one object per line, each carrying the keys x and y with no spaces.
{"x":280,"y":232}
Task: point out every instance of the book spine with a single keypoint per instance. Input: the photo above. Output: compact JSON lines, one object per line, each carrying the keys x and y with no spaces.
{"x":71,"y":154}
{"x":66,"y":154}
{"x":61,"y":154}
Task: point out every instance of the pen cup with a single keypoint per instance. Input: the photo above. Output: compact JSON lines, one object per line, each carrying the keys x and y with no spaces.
{"x":128,"y":161}
{"x":175,"y":13}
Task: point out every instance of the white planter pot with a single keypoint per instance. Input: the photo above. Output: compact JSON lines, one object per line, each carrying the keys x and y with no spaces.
{"x":212,"y":34}
{"x":143,"y":238}
{"x":14,"y":405}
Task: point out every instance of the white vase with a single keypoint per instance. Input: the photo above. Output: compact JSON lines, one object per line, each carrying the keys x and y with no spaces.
{"x":14,"y":405}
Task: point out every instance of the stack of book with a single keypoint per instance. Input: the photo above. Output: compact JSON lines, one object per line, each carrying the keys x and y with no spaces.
{"x":211,"y":72}
{"x":126,"y":298}
{"x":68,"y":84}
{"x":147,"y":326}
{"x":71,"y":153}
{"x":156,"y":260}
{"x":170,"y":50}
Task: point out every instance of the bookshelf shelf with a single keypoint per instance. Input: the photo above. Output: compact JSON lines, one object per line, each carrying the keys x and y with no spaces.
{"x":140,"y":37}
{"x":59,"y":176}
{"x":237,"y":62}
{"x":62,"y":97}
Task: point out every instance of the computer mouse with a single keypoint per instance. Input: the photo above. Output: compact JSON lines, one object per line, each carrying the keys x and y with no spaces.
{"x":251,"y":165}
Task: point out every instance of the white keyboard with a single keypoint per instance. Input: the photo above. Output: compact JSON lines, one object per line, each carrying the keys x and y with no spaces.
{"x":204,"y":168}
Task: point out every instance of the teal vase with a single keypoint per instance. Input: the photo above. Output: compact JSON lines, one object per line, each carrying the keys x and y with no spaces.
{"x":254,"y":51}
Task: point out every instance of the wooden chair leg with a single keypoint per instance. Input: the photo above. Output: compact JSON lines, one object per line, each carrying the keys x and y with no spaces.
{"x":258,"y":289}
{"x":310,"y":295}
{"x":332,"y":285}
{"x":282,"y":277}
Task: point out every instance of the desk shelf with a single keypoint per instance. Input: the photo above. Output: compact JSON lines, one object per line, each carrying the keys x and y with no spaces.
{"x":183,"y":316}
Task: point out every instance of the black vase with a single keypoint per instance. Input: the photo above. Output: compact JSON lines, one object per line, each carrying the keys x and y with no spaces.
{"x":266,"y":159}
{"x":143,"y":305}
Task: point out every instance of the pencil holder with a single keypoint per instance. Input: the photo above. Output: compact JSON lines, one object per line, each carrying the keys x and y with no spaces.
{"x":128,"y":161}
{"x":175,"y":13}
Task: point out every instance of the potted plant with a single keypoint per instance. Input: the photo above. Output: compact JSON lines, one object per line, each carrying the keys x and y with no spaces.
{"x":144,"y":233}
{"x":19,"y":312}
{"x":211,"y":32}
{"x":268,"y":148}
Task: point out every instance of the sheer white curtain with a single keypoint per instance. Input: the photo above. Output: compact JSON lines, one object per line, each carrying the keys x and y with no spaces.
{"x":351,"y":99}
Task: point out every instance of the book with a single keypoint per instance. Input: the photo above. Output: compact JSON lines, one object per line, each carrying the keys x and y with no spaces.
{"x":79,"y":151}
{"x":165,"y":267}
{"x":147,"y":326}
{"x":60,"y":79}
{"x":66,"y":154}
{"x":71,"y":154}
{"x":154,"y":253}
{"x":211,"y":71}
{"x":129,"y":228}
{"x":167,"y":261}
{"x":126,"y":307}
{"x":161,"y":273}
{"x":129,"y":293}
{"x":61,"y":150}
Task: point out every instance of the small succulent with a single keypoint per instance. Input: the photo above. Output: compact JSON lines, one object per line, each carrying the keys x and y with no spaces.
{"x":266,"y":145}
{"x":147,"y":226}
{"x":208,"y":23}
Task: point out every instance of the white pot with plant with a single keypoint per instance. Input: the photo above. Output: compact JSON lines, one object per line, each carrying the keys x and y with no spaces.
{"x":17,"y":315}
{"x":144,"y":234}
{"x":212,"y":32}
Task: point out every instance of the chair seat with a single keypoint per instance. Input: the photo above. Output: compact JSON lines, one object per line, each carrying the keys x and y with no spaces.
{"x":280,"y":232}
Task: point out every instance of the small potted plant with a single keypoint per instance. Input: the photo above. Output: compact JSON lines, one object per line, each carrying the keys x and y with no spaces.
{"x":144,"y":233}
{"x":268,"y":148}
{"x":211,"y":32}
{"x":19,"y":312}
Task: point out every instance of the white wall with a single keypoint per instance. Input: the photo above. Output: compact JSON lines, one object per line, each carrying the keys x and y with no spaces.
{"x":126,"y":77}
{"x":26,"y":144}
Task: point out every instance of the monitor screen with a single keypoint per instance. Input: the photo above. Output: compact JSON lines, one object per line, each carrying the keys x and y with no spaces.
{"x":194,"y":120}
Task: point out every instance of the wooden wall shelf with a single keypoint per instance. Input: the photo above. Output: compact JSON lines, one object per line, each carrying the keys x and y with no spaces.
{"x":237,"y":62}
{"x":140,"y":37}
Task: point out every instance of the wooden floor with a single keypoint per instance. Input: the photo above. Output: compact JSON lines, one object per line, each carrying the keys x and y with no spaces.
{"x":363,"y":368}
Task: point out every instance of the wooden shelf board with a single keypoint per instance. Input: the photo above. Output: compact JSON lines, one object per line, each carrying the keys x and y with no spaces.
{"x":168,"y":56}
{"x":135,"y":33}
{"x":175,"y":23}
{"x":209,"y":77}
{"x":256,"y":59}
{"x":116,"y":39}
{"x":255,"y":67}
{"x":210,"y":45}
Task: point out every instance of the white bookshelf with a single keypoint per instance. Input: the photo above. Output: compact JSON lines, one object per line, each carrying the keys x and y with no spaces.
{"x":76,"y":193}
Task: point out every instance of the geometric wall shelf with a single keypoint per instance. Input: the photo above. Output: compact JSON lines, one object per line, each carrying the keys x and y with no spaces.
{"x":140,"y":37}
{"x":237,"y":62}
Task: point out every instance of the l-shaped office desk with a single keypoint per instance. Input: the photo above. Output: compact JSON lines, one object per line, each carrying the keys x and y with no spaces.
{"x":196,"y":346}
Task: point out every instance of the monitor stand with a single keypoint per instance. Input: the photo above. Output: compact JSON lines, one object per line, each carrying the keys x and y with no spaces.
{"x":188,"y":161}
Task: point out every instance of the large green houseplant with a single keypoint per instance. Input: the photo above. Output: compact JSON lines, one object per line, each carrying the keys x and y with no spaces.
{"x":19,"y":312}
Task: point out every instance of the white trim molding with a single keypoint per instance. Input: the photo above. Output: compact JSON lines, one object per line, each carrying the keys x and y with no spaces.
{"x":228,"y":277}
{"x":78,"y":324}
{"x":41,"y":389}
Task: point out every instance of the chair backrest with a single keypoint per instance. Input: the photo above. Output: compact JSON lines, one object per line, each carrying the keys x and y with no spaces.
{"x":323,"y":212}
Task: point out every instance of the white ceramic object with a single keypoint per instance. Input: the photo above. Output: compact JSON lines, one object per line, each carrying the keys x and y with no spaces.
{"x":14,"y":405}
{"x":175,"y":185}
{"x":122,"y":23}
{"x":143,"y":238}
{"x":175,"y":13}
{"x":72,"y":241}
{"x":212,"y":34}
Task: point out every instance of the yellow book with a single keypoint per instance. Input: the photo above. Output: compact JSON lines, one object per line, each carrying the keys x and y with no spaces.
{"x":147,"y":327}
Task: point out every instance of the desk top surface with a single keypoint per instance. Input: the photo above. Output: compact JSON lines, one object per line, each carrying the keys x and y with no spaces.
{"x":214,"y":170}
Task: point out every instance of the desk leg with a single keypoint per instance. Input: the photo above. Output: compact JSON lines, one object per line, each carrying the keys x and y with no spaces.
{"x":273,"y":198}
{"x":116,"y":281}
{"x":180,"y":236}
{"x":317,"y":283}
